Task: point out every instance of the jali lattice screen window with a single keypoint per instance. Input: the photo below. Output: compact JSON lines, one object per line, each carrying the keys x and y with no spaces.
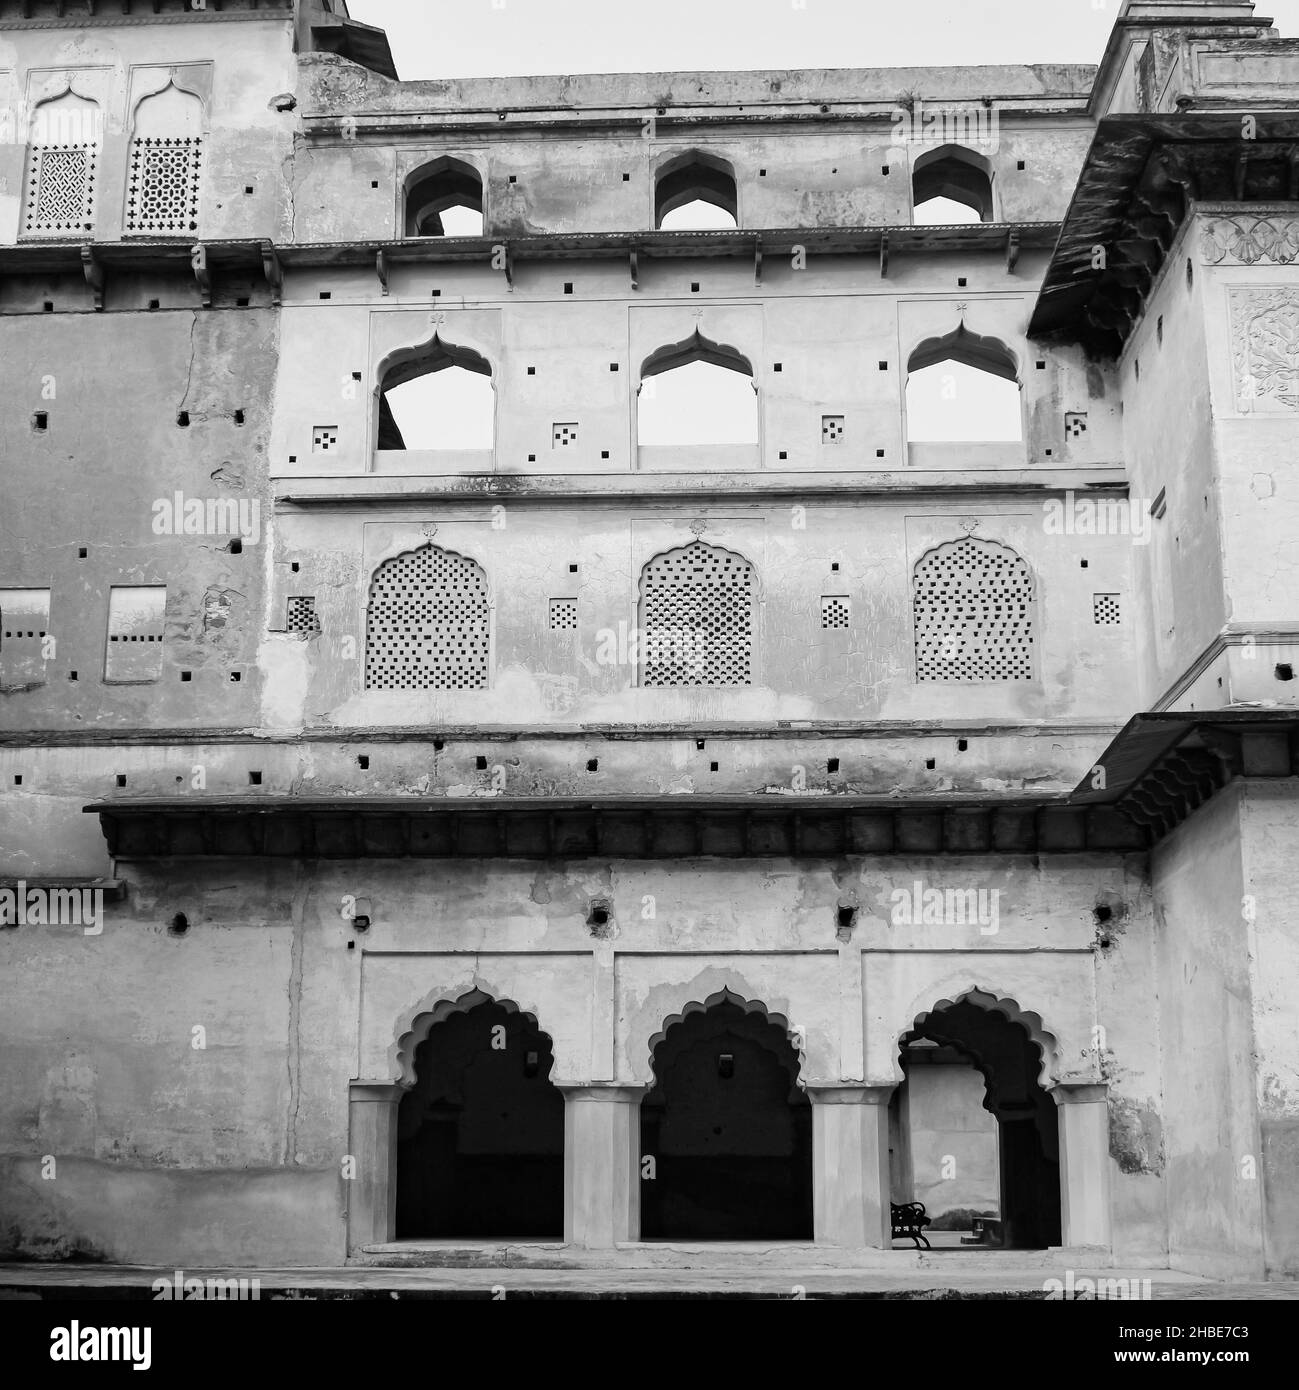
{"x":163,"y":188}
{"x":428,"y":623}
{"x":973,"y":604}
{"x":62,"y":168}
{"x":61,"y":189}
{"x":697,"y":617}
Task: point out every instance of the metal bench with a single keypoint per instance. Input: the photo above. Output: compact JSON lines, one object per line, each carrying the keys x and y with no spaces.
{"x":909,"y":1222}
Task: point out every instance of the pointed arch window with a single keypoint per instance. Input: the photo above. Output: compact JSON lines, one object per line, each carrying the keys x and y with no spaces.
{"x":951,"y":184}
{"x":697,"y":392}
{"x":696,"y":192}
{"x":445,"y":198}
{"x":63,"y":168}
{"x":166,"y":155}
{"x":439,"y":396}
{"x":964,"y":388}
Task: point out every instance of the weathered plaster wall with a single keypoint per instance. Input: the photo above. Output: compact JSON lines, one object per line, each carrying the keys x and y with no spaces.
{"x":1206,"y":1027}
{"x":1169,"y":448}
{"x":1268,"y":825}
{"x":111,"y":449}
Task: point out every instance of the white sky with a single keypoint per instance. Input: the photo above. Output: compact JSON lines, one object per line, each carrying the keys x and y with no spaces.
{"x":503,"y":38}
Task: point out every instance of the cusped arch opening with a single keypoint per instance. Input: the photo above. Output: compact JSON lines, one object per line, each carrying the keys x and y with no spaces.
{"x":697,"y":393}
{"x":439,"y":395}
{"x":974,"y":1128}
{"x":963,"y":387}
{"x":415,"y":1025}
{"x":794,"y":1040}
{"x":727,"y":1126}
{"x":480,"y":1127}
{"x":1041,"y":1038}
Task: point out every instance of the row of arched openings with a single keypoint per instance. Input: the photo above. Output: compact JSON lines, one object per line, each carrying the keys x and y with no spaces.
{"x":699,"y":191}
{"x":961,"y":387}
{"x":429,"y":618}
{"x":725,"y":1128}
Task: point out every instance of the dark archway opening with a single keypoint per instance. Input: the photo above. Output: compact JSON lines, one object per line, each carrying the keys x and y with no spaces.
{"x":480,"y":1136}
{"x":1028,"y":1143}
{"x":444,"y":198}
{"x":729,"y":1131}
{"x":695,"y":191}
{"x":951,"y":184}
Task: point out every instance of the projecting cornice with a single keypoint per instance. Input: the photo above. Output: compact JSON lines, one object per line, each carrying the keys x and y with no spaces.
{"x":1142,"y":177}
{"x":668,"y":827}
{"x":1156,"y":772}
{"x":1162,"y":767}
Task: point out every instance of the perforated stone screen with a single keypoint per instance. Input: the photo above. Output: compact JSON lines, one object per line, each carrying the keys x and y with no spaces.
{"x":428,"y":623}
{"x":302,"y":617}
{"x":1105,"y":610}
{"x":61,"y":190}
{"x":973,"y":606}
{"x":834,"y":610}
{"x":563,"y":614}
{"x":697,"y":617}
{"x":162,"y":194}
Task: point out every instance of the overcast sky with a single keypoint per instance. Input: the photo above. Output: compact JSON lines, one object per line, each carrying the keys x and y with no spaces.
{"x":501,"y":38}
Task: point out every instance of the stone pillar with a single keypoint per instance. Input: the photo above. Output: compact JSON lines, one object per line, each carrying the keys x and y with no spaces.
{"x":601,"y":1164}
{"x":372,"y":1145}
{"x":850,"y":1165}
{"x":1084,"y":1164}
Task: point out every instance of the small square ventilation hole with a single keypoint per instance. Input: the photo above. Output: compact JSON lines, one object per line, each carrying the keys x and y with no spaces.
{"x":1284,"y":671}
{"x":480,"y":763}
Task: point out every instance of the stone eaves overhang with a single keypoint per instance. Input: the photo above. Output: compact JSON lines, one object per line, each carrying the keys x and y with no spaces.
{"x":1161,"y":767}
{"x":1155,"y":773}
{"x":669,"y":827}
{"x":209,"y":259}
{"x":1138,"y":184}
{"x":349,"y":38}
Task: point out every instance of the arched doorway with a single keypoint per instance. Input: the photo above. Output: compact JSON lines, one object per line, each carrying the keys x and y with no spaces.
{"x":729,"y":1132}
{"x":1027,"y":1154}
{"x":480,"y":1135}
